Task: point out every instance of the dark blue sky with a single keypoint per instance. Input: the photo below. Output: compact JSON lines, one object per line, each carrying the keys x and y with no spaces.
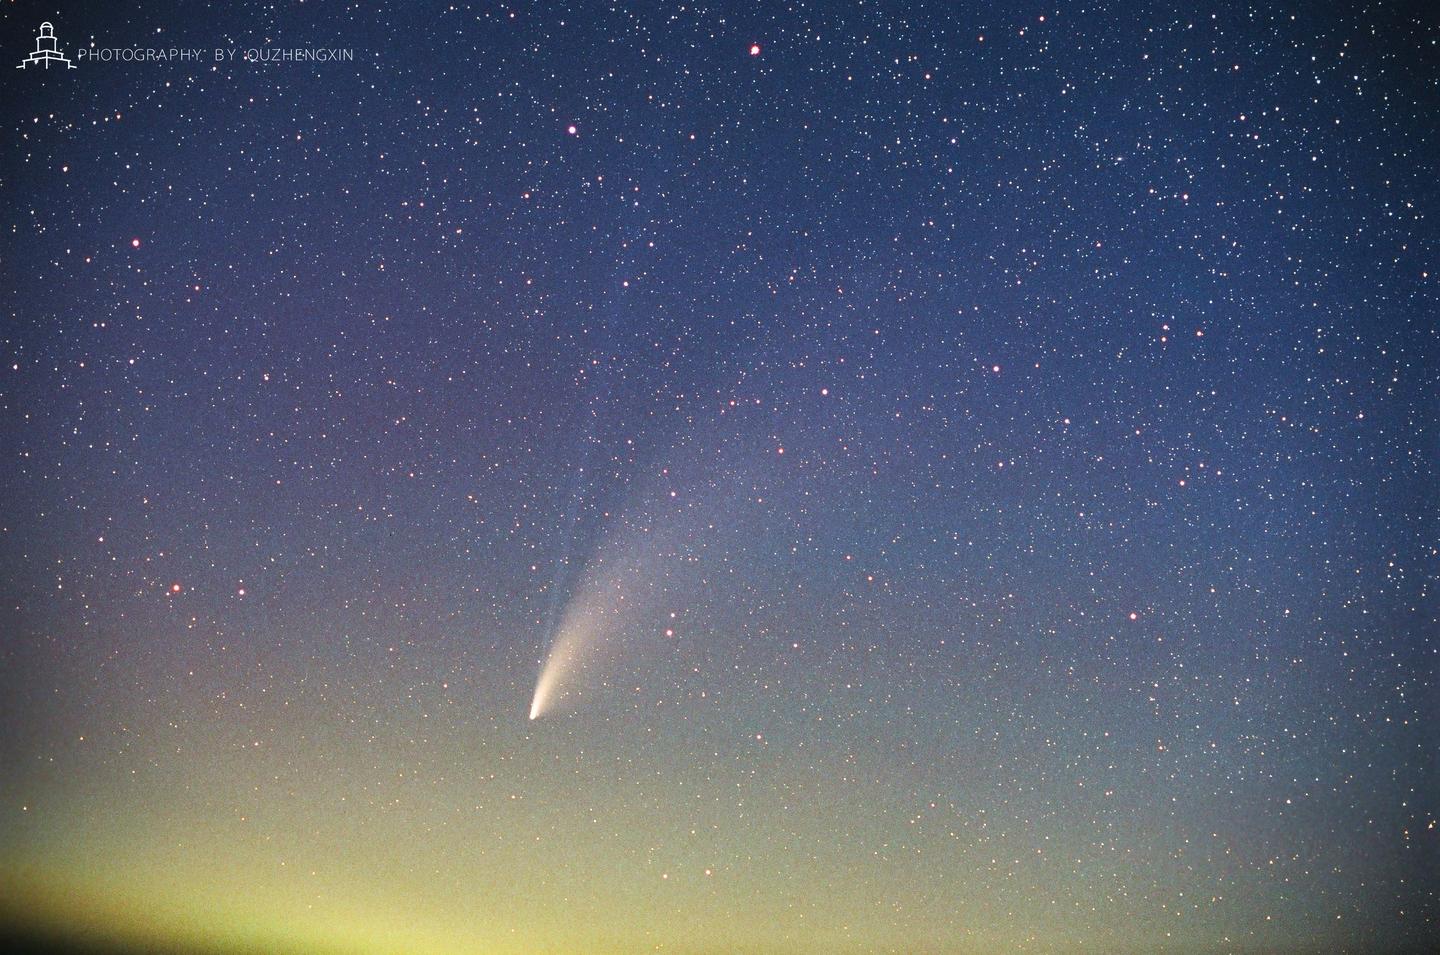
{"x":943,"y":478}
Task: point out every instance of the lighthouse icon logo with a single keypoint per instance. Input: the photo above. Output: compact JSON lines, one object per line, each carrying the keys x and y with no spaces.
{"x":46,"y":51}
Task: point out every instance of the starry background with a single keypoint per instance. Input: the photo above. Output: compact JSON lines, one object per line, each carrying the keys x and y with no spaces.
{"x":1012,"y":429}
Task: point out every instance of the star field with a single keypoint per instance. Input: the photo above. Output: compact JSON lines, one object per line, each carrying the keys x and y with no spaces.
{"x":722,"y":478}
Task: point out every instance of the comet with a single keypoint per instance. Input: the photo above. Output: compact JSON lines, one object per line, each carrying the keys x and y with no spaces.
{"x":614,"y":606}
{"x":588,"y":628}
{"x":561,"y":663}
{"x":646,"y":569}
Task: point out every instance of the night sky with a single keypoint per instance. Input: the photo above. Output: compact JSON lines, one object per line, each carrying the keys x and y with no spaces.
{"x":800,"y":477}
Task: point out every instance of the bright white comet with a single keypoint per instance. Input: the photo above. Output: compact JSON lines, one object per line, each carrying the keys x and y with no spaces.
{"x":619,"y":601}
{"x":628,"y":595}
{"x":585,"y":631}
{"x":560,"y":664}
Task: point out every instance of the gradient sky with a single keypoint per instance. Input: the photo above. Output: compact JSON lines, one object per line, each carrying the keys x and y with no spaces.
{"x":987,"y":457}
